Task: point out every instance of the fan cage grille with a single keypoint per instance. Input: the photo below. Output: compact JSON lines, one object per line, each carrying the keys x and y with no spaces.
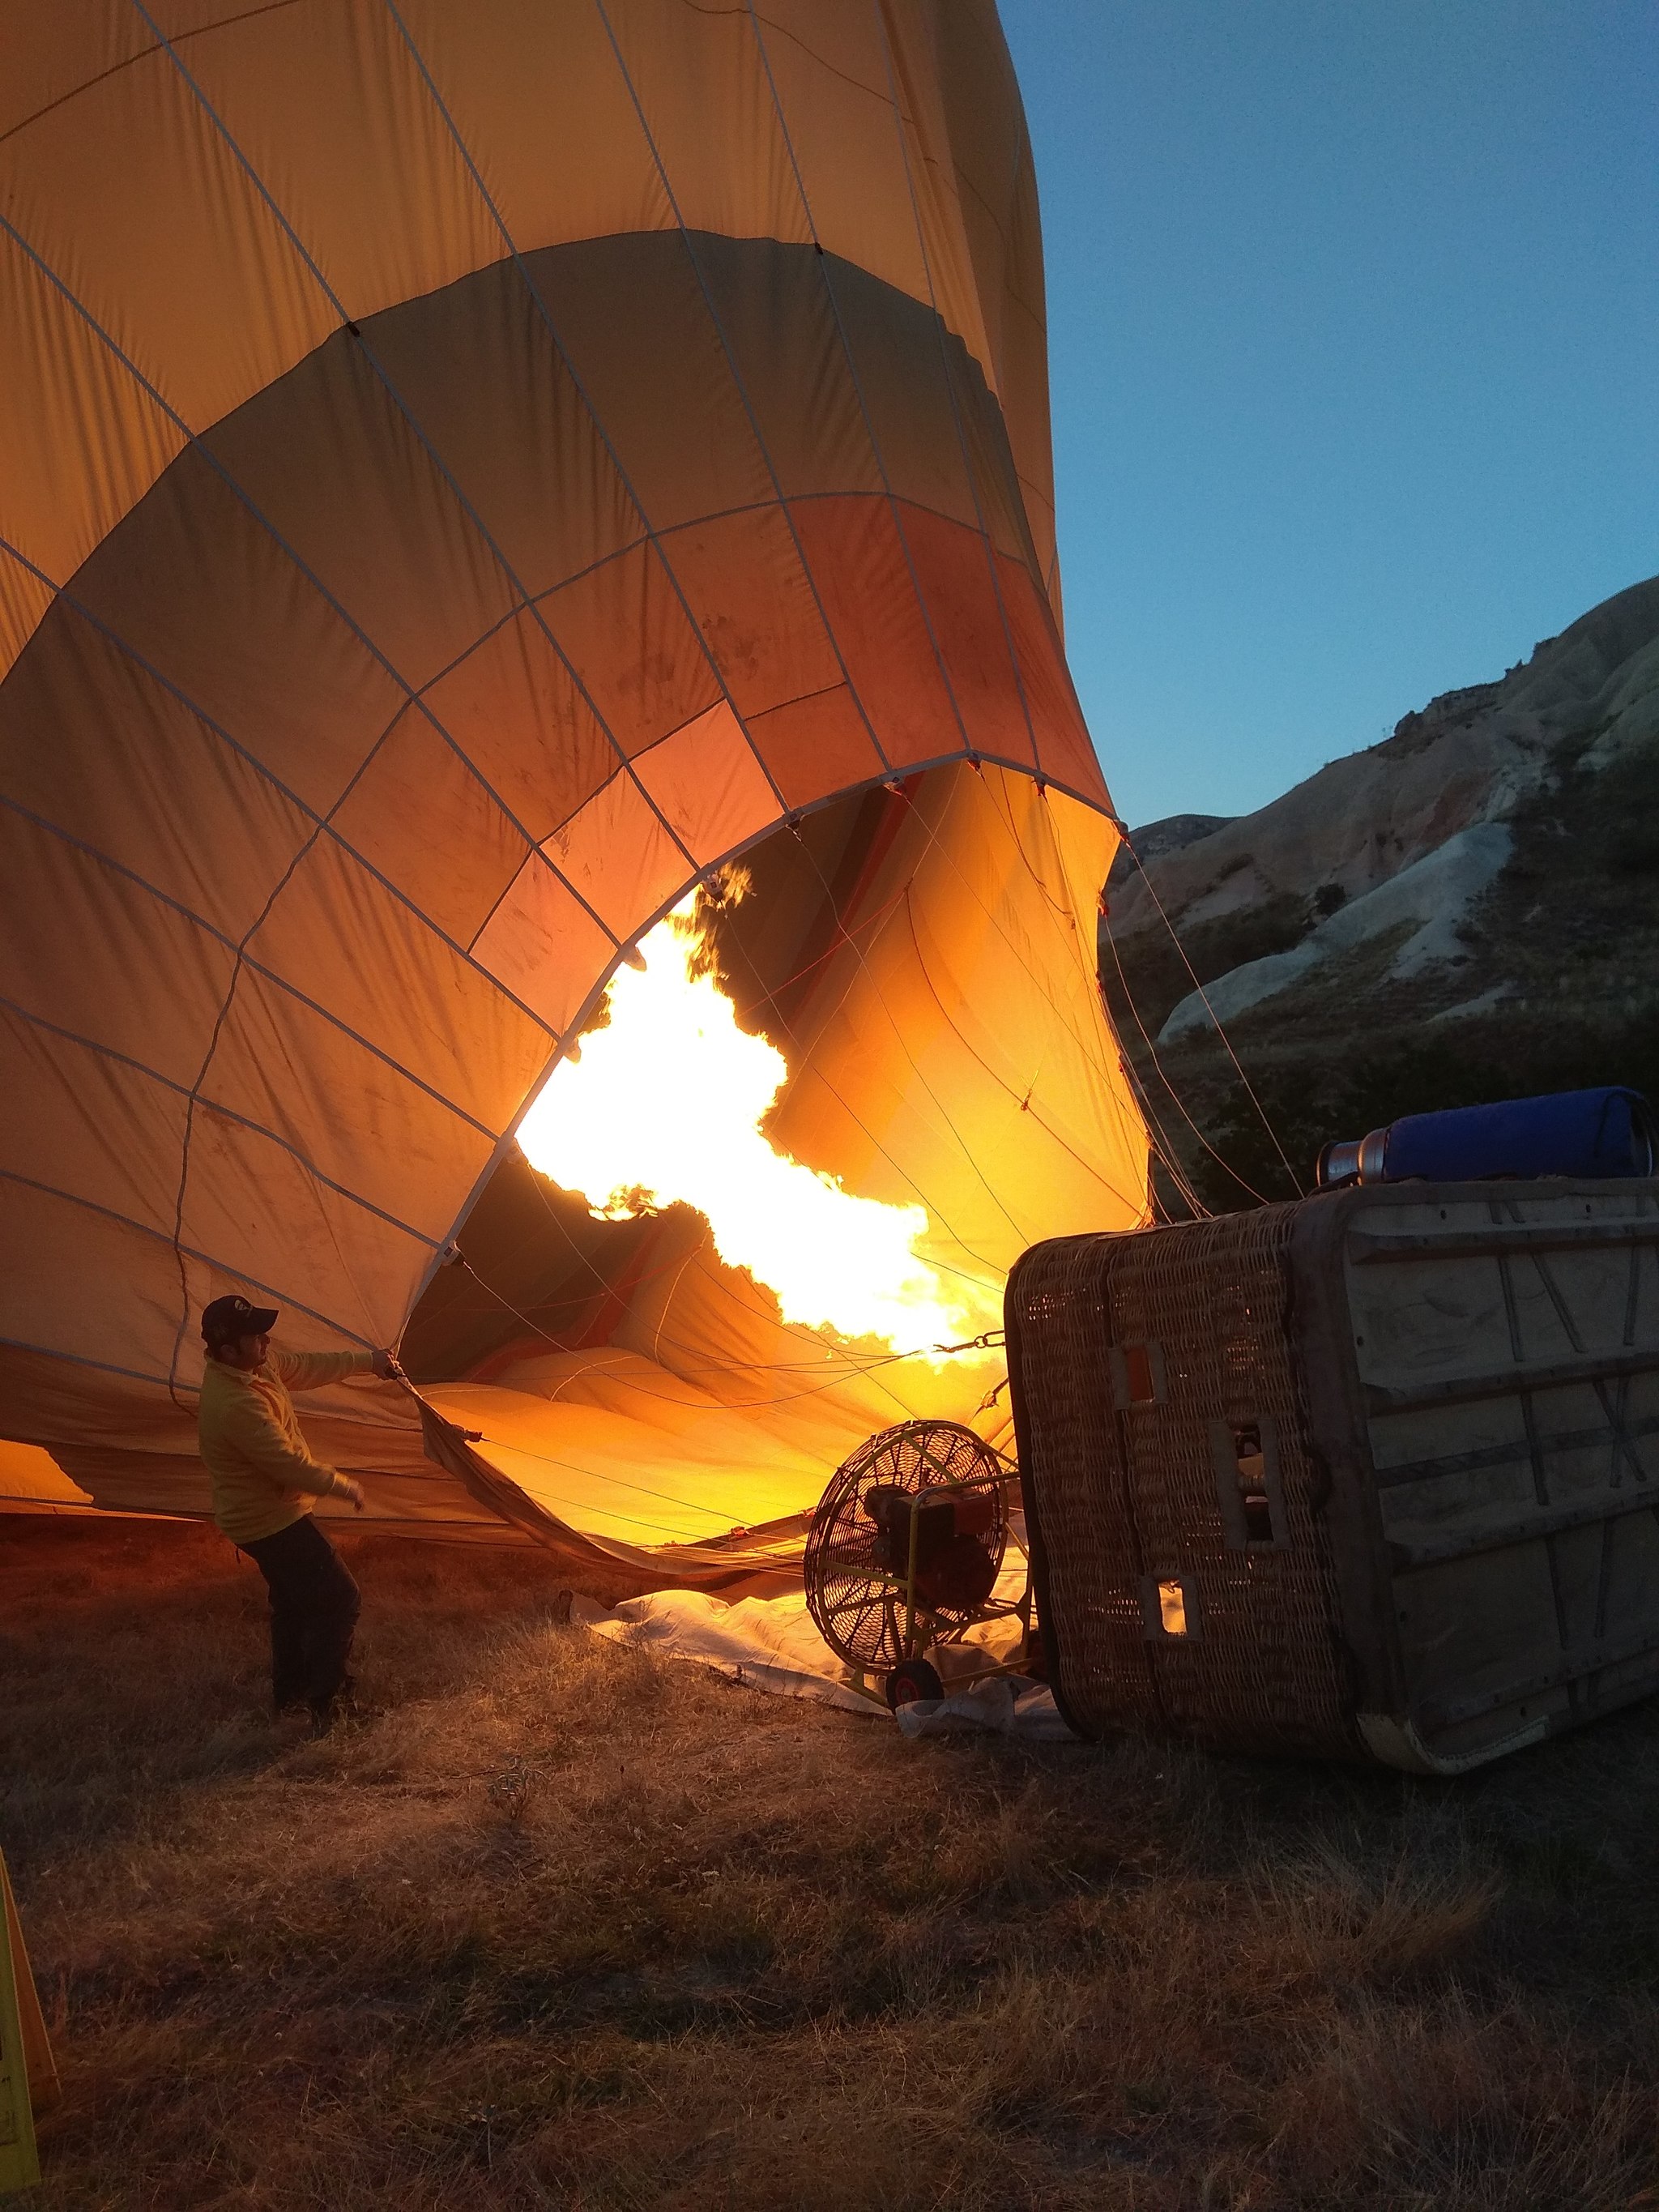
{"x":856,"y":1605}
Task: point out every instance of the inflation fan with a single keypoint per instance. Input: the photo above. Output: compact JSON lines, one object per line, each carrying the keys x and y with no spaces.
{"x":904,"y":1553}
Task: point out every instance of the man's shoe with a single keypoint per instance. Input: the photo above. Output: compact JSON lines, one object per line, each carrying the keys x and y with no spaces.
{"x":344,"y":1706}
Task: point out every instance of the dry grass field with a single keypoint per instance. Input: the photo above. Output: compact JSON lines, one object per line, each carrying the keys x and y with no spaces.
{"x":573,"y":1926}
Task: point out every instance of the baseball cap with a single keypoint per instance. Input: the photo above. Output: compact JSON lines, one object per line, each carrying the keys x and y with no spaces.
{"x":226,"y":1319}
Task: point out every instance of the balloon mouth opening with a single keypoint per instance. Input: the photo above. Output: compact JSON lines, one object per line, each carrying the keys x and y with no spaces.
{"x":701,"y":1126}
{"x":675,"y":1102}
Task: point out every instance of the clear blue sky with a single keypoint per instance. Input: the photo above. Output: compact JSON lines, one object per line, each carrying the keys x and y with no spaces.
{"x":1354,"y":352}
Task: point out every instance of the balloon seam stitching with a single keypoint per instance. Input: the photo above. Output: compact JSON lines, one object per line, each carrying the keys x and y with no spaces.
{"x":247,"y":959}
{"x":188,"y":1251}
{"x":412,"y":697}
{"x":230,"y":1112}
{"x":434,"y":456}
{"x":79,"y":1360}
{"x":653,"y":535}
{"x":741,"y":388}
{"x":323,"y":821}
{"x":822,"y":260}
{"x":950,"y":391}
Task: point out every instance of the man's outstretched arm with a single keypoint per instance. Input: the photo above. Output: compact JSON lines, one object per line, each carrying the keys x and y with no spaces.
{"x":314,"y":1371}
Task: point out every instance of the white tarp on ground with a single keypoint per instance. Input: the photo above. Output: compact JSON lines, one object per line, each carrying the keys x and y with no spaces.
{"x":771,"y":1644}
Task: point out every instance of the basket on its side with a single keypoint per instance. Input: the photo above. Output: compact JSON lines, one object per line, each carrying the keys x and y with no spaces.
{"x":1374,"y":1475}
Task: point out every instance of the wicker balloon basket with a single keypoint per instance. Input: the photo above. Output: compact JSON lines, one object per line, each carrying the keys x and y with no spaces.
{"x":1373,"y":1476}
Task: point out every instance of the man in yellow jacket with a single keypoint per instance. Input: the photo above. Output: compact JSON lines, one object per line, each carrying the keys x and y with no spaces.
{"x":266,"y":1481}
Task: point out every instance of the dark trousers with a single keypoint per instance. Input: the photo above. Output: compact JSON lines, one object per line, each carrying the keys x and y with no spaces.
{"x":313,"y":1612}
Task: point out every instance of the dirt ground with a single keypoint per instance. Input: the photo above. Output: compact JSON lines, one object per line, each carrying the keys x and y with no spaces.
{"x":573,"y":1926}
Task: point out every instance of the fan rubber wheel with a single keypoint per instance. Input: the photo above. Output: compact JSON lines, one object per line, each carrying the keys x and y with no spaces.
{"x":910,"y":1680}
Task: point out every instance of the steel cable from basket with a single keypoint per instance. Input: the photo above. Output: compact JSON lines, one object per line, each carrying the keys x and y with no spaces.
{"x":987,"y":1340}
{"x":1166,"y":1154}
{"x":1238,"y":1068}
{"x":1181,"y":1183}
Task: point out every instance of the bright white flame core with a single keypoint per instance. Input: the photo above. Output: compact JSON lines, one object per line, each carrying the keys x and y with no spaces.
{"x":666,"y":1104}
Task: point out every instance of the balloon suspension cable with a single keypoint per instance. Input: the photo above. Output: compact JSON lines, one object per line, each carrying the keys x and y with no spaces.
{"x":987,"y":1340}
{"x":1166,"y":1150}
{"x":1250,"y":1090}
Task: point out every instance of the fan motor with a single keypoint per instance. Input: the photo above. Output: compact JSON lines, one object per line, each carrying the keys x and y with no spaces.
{"x":932,"y":1485}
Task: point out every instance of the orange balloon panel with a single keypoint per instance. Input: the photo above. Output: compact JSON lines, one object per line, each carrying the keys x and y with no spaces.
{"x":471,"y":470}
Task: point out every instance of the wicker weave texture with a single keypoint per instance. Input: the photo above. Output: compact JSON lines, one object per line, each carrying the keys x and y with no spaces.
{"x":1138,"y":1358}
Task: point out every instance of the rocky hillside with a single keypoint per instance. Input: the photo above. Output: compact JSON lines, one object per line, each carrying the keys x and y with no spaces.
{"x":1468,"y":910}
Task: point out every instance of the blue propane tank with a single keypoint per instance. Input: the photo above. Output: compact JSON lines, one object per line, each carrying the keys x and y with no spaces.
{"x":1606,"y":1133}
